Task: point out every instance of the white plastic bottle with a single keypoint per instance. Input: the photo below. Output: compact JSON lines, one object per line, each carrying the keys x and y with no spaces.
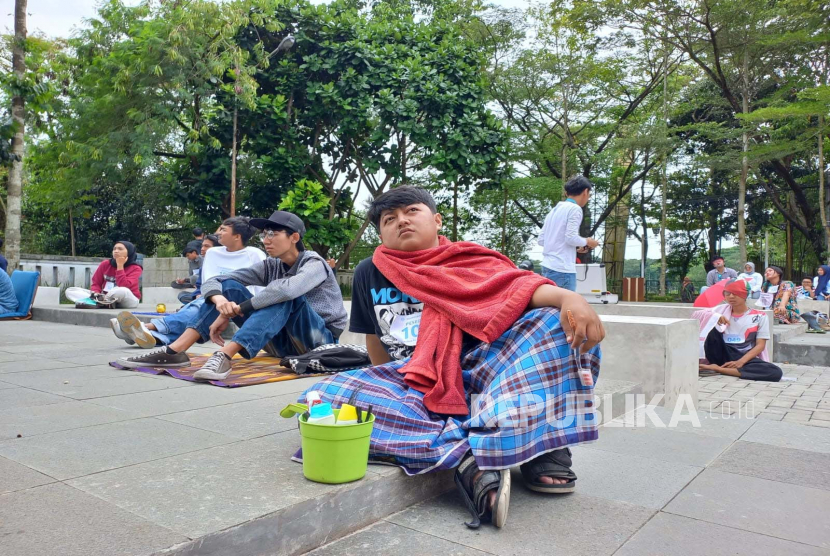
{"x":321,"y":414}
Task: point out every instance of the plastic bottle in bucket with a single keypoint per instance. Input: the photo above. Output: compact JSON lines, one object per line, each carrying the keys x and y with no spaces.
{"x":321,"y":414}
{"x":347,"y":415}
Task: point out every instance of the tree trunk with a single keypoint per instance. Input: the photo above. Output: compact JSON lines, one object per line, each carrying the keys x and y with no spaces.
{"x":564,"y":170}
{"x":664,"y":177}
{"x":788,"y":264}
{"x":455,"y":211}
{"x":233,"y":163}
{"x":15,"y":181}
{"x":616,"y":233}
{"x":71,"y":233}
{"x":822,"y":199}
{"x":744,"y":166}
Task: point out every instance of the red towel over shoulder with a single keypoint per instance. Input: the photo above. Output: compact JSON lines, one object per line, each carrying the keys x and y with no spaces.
{"x":465,"y":288}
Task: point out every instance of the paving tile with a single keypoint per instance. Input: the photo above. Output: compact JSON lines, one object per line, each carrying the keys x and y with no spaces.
{"x":786,"y":465}
{"x":662,"y":443}
{"x":771,"y":416}
{"x":78,"y":452}
{"x":575,"y":524}
{"x":681,"y":536}
{"x":782,"y":510}
{"x":33,"y":364}
{"x":388,"y":539}
{"x":643,"y":481}
{"x":62,"y":521}
{"x":83,"y":388}
{"x":791,"y":417}
{"x":295,"y":386}
{"x":711,"y":422}
{"x":242,"y":420}
{"x":209,"y":490}
{"x":7,"y":385}
{"x":70,"y":414}
{"x":14,"y":476}
{"x":19,"y":398}
{"x":172,"y":400}
{"x":53,"y":380}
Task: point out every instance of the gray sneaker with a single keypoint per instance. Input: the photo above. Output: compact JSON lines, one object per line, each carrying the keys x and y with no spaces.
{"x":116,"y":329}
{"x":218,"y":367}
{"x":157,"y":358}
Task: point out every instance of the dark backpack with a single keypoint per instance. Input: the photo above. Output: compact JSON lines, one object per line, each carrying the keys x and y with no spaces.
{"x":329,"y":358}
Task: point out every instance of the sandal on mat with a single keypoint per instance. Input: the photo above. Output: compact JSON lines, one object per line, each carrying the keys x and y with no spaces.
{"x":555,"y":464}
{"x":475,"y":492}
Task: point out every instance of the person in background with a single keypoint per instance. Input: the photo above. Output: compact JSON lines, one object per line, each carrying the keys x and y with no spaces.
{"x":4,"y":264}
{"x":805,"y":290}
{"x":194,"y":263}
{"x":210,"y":241}
{"x":687,"y":291}
{"x":720,"y":272}
{"x":739,"y":350}
{"x":780,"y":296}
{"x":821,"y":283}
{"x":8,"y":299}
{"x":754,"y":279}
{"x":117,"y":278}
{"x":232,"y":255}
{"x":560,"y":234}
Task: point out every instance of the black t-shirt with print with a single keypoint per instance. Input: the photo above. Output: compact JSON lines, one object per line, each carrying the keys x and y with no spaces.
{"x":379,"y":308}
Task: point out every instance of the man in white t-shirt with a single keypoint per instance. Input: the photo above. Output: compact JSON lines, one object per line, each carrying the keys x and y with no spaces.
{"x":736,"y":350}
{"x":233,"y":254}
{"x":560,"y":234}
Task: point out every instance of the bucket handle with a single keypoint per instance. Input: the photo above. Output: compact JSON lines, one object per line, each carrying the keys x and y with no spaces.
{"x":293,"y":409}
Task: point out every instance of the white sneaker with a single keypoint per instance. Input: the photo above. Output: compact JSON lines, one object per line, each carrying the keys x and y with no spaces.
{"x":135,"y":330}
{"x":116,"y":329}
{"x":217,"y":367}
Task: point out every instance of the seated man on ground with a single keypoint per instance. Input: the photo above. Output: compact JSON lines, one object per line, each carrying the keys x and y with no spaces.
{"x":739,"y":347}
{"x":194,"y":263}
{"x":718,"y":273}
{"x":210,"y":241}
{"x":8,"y":299}
{"x":490,"y":381}
{"x":805,"y":290}
{"x":233,"y":254}
{"x":299,"y":309}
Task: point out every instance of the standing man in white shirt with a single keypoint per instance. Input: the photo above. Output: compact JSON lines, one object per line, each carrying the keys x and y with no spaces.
{"x":560,"y":234}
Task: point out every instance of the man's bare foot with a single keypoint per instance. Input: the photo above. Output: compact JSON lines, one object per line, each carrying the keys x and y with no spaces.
{"x":552,"y":480}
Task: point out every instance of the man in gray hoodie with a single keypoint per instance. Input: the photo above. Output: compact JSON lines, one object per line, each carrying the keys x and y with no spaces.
{"x":299,"y":308}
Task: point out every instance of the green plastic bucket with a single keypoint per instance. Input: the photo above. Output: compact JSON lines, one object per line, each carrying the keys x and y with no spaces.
{"x":334,"y":453}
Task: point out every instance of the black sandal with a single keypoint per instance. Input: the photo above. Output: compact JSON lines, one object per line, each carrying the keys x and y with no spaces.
{"x":555,"y":464}
{"x":475,"y":492}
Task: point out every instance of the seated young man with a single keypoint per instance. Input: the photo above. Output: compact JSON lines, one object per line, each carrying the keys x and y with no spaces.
{"x":473,"y":361}
{"x":233,"y":254}
{"x":194,"y":262}
{"x":210,"y":240}
{"x":299,"y":309}
{"x":739,"y":349}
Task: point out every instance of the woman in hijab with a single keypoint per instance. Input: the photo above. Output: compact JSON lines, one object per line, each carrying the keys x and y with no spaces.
{"x":115,"y":280}
{"x":821,"y":283}
{"x":779,"y":295}
{"x":754,"y":279}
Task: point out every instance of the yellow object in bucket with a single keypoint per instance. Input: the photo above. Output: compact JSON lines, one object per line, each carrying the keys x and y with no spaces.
{"x":333,"y":453}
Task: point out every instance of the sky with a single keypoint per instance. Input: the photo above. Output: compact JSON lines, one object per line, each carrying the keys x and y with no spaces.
{"x":59,"y":18}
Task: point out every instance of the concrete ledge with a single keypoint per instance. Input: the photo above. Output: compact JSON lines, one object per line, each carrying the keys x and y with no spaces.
{"x":154,"y":295}
{"x":784,"y":332}
{"x":806,"y":305}
{"x":805,"y":349}
{"x":317,"y":521}
{"x":669,"y":311}
{"x":47,"y":296}
{"x":659,"y":354}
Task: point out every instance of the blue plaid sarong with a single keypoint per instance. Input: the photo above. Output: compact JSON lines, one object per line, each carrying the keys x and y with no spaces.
{"x":523,"y":390}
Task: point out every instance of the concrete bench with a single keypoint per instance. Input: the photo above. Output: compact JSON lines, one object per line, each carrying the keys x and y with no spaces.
{"x":669,"y":311}
{"x":806,"y":305}
{"x":168,"y":296}
{"x":47,"y":295}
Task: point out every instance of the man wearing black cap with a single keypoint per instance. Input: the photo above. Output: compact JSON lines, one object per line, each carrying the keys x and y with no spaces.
{"x":299,"y":309}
